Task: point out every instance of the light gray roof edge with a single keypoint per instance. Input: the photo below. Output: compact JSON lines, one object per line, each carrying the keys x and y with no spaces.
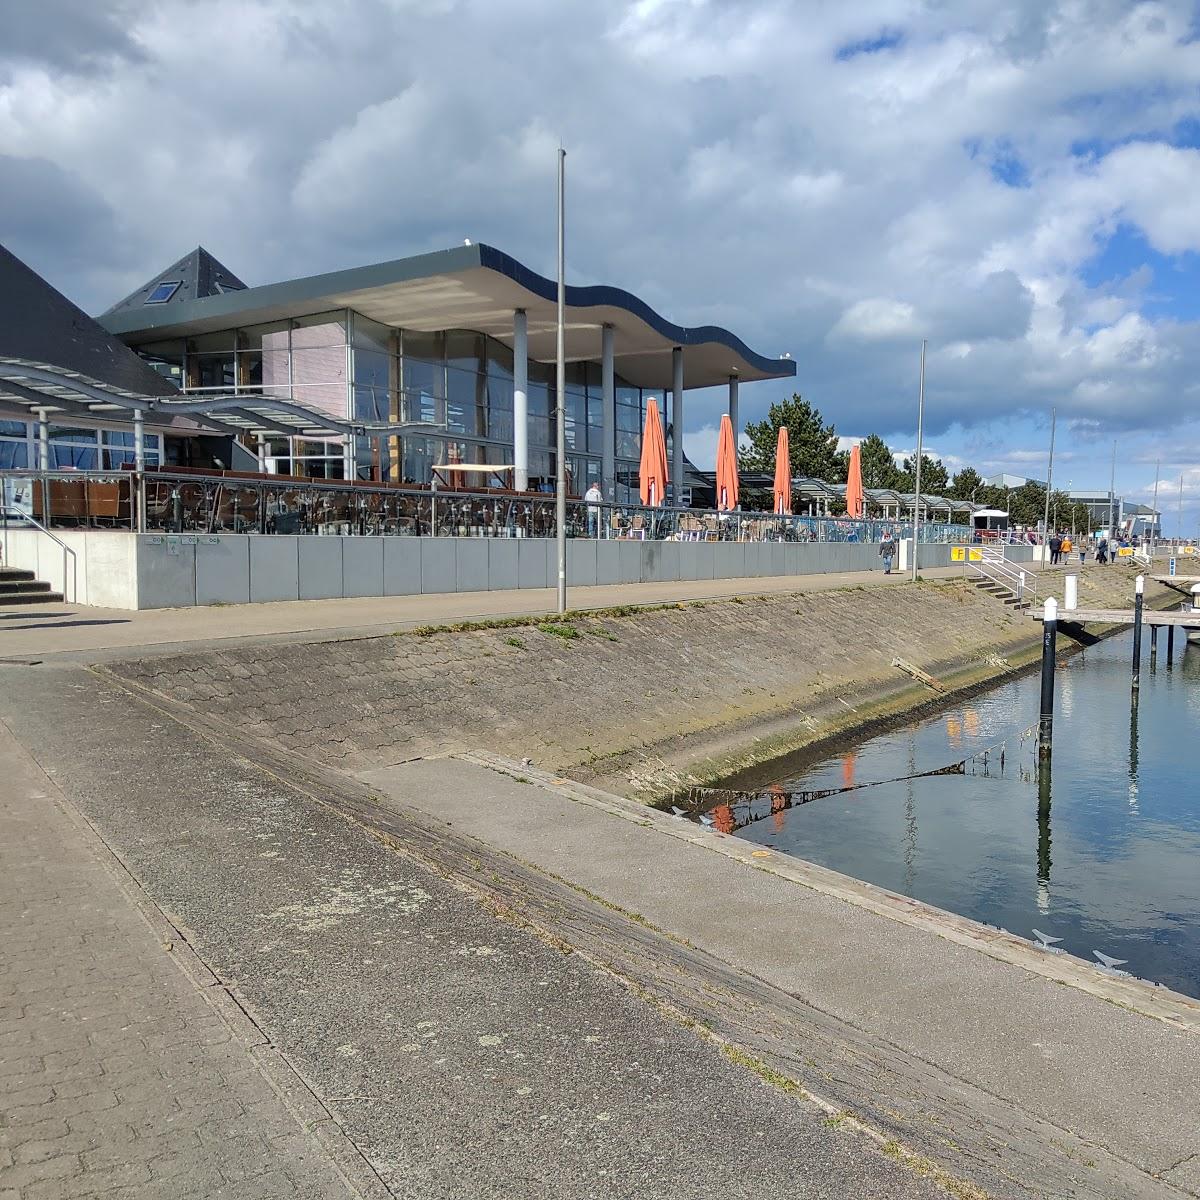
{"x":268,"y":302}
{"x":291,"y":292}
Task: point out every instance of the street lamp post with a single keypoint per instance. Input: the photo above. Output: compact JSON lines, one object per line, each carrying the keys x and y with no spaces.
{"x":917,"y":478}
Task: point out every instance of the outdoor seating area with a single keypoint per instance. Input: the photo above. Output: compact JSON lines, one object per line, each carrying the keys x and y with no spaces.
{"x":196,"y":502}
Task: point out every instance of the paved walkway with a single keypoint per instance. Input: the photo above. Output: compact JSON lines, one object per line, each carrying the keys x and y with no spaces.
{"x":118,"y":1076}
{"x":460,"y":1054}
{"x":64,"y":629}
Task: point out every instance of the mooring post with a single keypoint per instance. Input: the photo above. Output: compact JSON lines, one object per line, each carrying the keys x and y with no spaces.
{"x":1153,"y":647}
{"x":1071,"y":592}
{"x":1170,"y":644}
{"x":1139,"y":585}
{"x":1049,"y":638}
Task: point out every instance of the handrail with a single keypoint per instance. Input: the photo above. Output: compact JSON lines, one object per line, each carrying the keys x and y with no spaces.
{"x":7,"y":513}
{"x":999,"y":570}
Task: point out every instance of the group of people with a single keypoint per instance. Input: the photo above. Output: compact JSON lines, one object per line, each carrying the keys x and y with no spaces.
{"x":1061,"y":549}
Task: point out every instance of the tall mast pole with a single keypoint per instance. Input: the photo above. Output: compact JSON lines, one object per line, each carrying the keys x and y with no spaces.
{"x":920,"y":453}
{"x":560,"y":507}
{"x":1049,"y":484}
{"x":1154,"y":518}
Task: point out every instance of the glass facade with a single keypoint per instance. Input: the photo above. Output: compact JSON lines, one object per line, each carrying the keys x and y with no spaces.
{"x":459,"y":381}
{"x":73,"y":447}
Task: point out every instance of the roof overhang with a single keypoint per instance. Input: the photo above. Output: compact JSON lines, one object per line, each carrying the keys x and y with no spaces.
{"x":31,"y":388}
{"x":477,"y":288}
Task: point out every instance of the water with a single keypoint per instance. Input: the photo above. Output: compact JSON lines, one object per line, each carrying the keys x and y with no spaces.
{"x":1108,"y":859}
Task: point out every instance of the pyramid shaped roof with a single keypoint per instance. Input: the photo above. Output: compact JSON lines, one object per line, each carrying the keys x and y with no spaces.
{"x":196,"y":275}
{"x":39,"y":324}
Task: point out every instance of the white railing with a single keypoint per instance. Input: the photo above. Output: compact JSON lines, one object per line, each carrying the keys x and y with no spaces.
{"x":8,"y":515}
{"x":993,"y":565}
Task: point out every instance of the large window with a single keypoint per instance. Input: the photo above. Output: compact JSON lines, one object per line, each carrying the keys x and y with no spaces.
{"x":14,"y":445}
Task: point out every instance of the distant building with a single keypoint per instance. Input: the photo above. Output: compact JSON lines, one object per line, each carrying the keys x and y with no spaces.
{"x":1106,"y":509}
{"x":1011,"y":482}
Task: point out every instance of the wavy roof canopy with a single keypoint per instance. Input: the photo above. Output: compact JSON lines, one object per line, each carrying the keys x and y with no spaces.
{"x":473,"y":287}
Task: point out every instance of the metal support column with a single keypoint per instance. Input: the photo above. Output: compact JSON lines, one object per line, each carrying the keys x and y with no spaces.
{"x":139,"y":464}
{"x":733,"y":409}
{"x":677,"y":426}
{"x":520,"y":400}
{"x":44,"y":465}
{"x":608,"y":395}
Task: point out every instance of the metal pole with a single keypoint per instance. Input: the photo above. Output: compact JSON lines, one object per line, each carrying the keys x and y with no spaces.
{"x":1154,"y":526}
{"x":1049,"y":638}
{"x":917,"y":477}
{"x":1112,"y":497}
{"x":1139,"y":585}
{"x":520,"y":400}
{"x":1153,"y":647}
{"x":560,"y":507}
{"x":1170,"y":644}
{"x":139,"y":463}
{"x":1049,"y":484}
{"x":1179,"y":535}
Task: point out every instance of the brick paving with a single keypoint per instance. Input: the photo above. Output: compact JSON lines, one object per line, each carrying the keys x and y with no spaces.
{"x":117,"y":1077}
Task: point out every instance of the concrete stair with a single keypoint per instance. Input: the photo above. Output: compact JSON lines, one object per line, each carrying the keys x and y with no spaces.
{"x":1002,"y":592}
{"x":20,"y":587}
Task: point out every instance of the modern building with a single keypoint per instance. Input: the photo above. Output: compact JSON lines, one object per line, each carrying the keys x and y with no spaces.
{"x":1107,"y":510}
{"x":447,"y":357}
{"x":1011,"y":482}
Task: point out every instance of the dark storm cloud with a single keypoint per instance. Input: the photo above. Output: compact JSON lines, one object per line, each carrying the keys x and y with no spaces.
{"x":66,"y":35}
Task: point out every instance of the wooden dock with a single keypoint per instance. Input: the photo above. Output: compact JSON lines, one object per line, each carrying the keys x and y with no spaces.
{"x":1121,"y":616}
{"x":1181,"y":583}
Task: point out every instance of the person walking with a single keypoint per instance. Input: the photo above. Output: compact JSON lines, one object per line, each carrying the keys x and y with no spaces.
{"x":1055,"y":549}
{"x":887,"y":551}
{"x":593,"y":498}
{"x":1102,"y":551}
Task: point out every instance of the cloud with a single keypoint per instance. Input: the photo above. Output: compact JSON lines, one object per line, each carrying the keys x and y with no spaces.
{"x":837,"y":182}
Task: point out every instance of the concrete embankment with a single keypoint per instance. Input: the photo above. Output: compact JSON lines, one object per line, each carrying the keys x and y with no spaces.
{"x":640,"y":701}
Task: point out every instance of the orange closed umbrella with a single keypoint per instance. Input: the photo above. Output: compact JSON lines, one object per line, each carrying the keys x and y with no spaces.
{"x":783,"y":473}
{"x":652,"y":472}
{"x":727,"y":472}
{"x":854,"y":487}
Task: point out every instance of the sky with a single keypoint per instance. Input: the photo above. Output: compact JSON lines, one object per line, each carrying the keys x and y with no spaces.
{"x":1015,"y":182}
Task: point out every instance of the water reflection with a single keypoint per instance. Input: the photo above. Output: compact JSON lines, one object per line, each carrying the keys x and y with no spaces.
{"x":1043,"y":845}
{"x":1117,"y":871}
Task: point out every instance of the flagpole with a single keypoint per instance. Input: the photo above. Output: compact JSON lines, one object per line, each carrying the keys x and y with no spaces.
{"x":1155,"y":526}
{"x":560,"y":508}
{"x":1049,"y":481}
{"x":920,"y":451}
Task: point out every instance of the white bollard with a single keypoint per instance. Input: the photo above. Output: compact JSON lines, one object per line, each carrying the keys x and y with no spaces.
{"x":1071,"y":596}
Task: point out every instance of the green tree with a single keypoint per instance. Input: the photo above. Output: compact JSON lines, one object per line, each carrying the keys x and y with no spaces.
{"x":879,"y":468}
{"x":812,"y":445}
{"x":935,"y":479}
{"x":966,"y":485}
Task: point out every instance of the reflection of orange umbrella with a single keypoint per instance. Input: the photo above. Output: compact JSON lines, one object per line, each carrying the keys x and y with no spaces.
{"x":848,"y":770}
{"x":652,"y":473}
{"x":783,"y":473}
{"x":854,"y":487}
{"x":723,"y":819}
{"x":779,"y":803}
{"x":727,"y":472}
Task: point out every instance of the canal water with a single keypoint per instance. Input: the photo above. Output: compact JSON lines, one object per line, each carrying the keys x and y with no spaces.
{"x":1105,"y":854}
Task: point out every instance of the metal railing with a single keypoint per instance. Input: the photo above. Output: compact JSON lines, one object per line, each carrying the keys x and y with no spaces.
{"x":10,"y":515}
{"x":994,"y":566}
{"x":168,"y":502}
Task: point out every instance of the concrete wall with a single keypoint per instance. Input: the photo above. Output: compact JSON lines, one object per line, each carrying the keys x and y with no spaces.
{"x":126,"y":570}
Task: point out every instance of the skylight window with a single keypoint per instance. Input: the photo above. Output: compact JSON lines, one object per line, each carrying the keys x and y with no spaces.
{"x":162,"y":293}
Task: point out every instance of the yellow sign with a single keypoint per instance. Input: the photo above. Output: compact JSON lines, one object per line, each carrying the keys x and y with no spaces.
{"x":965,"y":554}
{"x":1124,"y":551}
{"x":1189,"y":549}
